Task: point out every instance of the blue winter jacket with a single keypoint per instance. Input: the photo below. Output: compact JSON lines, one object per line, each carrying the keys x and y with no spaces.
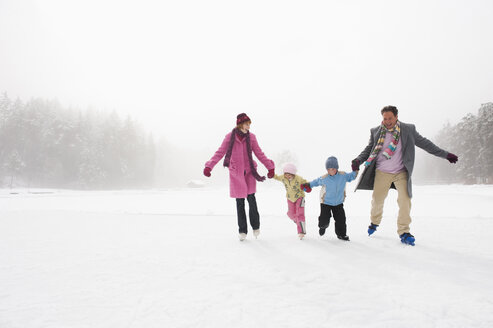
{"x":333,"y":187}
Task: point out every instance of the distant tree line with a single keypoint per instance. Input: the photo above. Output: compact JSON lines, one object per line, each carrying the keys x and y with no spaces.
{"x":472,"y":140}
{"x":43,"y":144}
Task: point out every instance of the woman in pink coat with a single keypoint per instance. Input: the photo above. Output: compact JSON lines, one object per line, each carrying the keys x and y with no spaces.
{"x":237,"y":148}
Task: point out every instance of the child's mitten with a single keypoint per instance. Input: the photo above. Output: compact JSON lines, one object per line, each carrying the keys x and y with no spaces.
{"x":306,"y":187}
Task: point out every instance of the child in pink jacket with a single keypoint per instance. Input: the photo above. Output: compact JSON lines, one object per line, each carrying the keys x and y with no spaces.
{"x":237,"y":148}
{"x":295,"y":196}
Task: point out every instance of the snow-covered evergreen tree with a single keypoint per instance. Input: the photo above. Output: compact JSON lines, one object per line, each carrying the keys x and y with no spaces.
{"x":44,"y":144}
{"x":485,"y":158}
{"x":472,"y":140}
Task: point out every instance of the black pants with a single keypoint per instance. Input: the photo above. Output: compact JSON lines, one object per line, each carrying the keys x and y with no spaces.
{"x":253,"y":213}
{"x":327,"y":211}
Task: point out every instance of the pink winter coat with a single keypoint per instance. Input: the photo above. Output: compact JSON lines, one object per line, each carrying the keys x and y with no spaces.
{"x":241,"y":179}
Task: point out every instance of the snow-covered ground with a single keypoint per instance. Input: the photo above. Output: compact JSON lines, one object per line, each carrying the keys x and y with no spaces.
{"x":171,"y":258}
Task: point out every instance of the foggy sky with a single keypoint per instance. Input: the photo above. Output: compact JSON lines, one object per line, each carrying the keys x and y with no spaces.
{"x":312,"y":75}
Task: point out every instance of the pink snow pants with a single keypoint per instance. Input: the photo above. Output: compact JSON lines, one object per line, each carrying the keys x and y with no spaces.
{"x":296,"y":212}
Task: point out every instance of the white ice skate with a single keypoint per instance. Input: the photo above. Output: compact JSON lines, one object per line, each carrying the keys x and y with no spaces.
{"x":256,"y":233}
{"x":301,"y":236}
{"x":242,"y":236}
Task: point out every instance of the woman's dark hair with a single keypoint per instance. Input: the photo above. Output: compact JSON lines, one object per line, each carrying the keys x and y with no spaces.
{"x":392,"y":109}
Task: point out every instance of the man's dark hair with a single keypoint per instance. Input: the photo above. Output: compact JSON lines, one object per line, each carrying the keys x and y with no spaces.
{"x":392,"y":109}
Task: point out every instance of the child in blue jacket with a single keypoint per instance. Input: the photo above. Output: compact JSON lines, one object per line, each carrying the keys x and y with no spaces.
{"x":332,"y":197}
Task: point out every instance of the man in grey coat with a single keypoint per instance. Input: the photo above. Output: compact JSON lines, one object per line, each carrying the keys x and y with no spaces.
{"x":389,"y":163}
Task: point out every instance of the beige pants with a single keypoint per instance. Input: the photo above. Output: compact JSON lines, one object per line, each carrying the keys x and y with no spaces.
{"x":381,"y":187}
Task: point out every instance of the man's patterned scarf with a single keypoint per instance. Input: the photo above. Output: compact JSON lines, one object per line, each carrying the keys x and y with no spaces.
{"x":389,"y":151}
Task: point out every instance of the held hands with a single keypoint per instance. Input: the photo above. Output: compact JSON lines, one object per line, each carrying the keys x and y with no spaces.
{"x":305,"y":187}
{"x":270,"y":174}
{"x":355,"y":164}
{"x":452,"y":158}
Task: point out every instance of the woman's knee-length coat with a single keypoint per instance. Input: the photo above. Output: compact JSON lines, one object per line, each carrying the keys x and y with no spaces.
{"x":241,"y":179}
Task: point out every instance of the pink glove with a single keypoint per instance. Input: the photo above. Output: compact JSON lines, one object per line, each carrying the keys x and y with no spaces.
{"x":207,"y":171}
{"x":270,"y":174}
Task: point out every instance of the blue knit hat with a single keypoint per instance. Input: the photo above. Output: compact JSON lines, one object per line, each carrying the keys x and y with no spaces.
{"x":331,"y":163}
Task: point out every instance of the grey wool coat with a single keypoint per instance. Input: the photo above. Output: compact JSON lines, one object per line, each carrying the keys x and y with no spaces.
{"x":408,"y":140}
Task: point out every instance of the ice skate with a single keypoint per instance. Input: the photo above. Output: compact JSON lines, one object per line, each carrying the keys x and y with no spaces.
{"x":407,"y":238}
{"x":372,"y":228}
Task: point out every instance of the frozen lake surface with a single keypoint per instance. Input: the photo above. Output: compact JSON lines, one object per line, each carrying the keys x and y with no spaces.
{"x":171,"y":258}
